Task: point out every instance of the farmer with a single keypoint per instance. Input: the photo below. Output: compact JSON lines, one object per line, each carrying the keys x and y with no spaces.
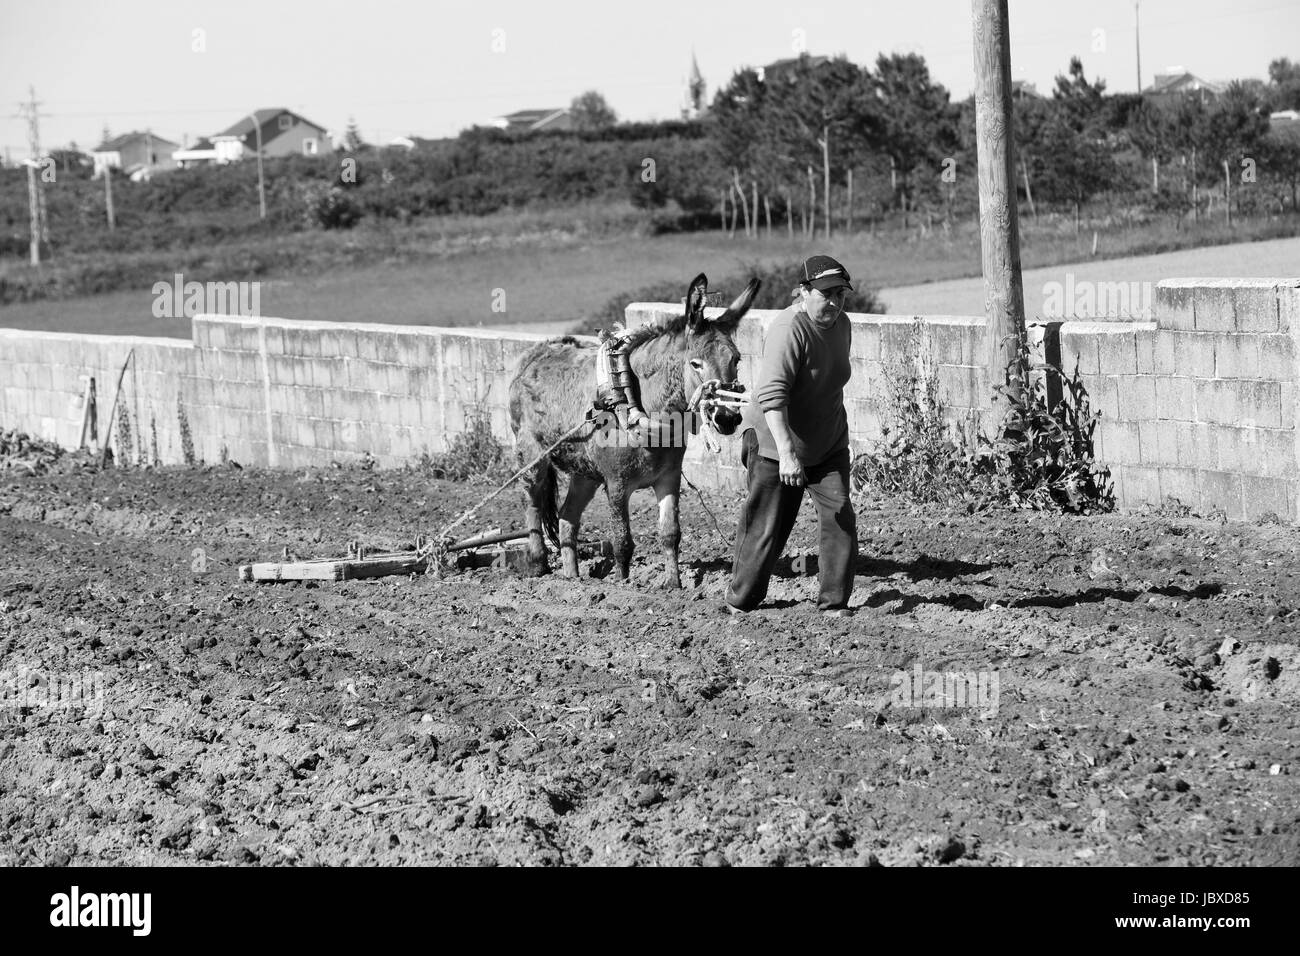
{"x":796,"y":434}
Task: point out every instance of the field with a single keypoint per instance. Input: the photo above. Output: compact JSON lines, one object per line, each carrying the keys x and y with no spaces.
{"x":551,"y":271}
{"x":1147,"y":671}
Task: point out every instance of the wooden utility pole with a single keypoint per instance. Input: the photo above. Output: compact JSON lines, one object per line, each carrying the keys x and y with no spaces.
{"x":35,"y":200}
{"x":1004,"y":303}
{"x":1137,"y":42}
{"x":108,"y":196}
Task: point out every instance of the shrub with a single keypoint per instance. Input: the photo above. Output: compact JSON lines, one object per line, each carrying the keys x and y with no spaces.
{"x":474,"y":452}
{"x":1042,"y":458}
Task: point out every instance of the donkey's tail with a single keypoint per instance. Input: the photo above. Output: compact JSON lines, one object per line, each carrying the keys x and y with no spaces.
{"x":547,"y":501}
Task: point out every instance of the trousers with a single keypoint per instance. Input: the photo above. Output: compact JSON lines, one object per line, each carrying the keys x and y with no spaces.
{"x":768,"y":516}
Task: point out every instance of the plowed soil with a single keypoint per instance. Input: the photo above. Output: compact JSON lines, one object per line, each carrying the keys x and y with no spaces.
{"x":1147,"y":671}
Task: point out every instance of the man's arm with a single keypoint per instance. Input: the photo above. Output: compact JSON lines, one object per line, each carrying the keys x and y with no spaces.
{"x":780,"y":368}
{"x":778,"y":423}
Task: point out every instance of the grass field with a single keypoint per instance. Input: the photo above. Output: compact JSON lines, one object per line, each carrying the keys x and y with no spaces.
{"x":551,"y":276}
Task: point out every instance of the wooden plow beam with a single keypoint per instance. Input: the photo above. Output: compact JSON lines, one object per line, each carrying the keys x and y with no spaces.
{"x":358,"y":564}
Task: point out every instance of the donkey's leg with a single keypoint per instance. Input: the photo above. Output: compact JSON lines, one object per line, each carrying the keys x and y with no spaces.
{"x":581,"y":491}
{"x":618,"y":495}
{"x":537,"y":563}
{"x":667,"y":490}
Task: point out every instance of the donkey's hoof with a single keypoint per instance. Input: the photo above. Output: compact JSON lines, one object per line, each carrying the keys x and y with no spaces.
{"x":534,"y":569}
{"x":670,"y":583}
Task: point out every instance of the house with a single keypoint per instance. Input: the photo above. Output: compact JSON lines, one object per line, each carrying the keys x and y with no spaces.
{"x":410,"y":142}
{"x":1024,"y":90}
{"x":532,"y":121}
{"x":136,"y":154}
{"x":283,"y":133}
{"x":1176,"y":81}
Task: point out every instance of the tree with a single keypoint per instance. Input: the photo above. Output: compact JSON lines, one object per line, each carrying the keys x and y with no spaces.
{"x":918,"y":121}
{"x":352,"y":140}
{"x":590,"y":112}
{"x":1284,"y":84}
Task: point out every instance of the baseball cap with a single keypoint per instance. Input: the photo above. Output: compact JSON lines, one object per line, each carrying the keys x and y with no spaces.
{"x":824,"y":274}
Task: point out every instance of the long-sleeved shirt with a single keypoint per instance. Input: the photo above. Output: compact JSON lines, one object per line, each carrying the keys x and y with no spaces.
{"x":804,"y":370}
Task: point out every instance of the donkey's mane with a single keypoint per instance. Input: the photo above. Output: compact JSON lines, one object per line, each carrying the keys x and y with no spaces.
{"x":653,"y":330}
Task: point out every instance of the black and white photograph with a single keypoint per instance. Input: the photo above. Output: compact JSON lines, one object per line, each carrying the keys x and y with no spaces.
{"x":834,"y":434}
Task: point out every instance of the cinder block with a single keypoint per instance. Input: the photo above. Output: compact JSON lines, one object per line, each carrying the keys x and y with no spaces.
{"x":1222,"y":490}
{"x":1146,"y":351}
{"x":1079,"y":349}
{"x":1255,"y":302}
{"x":387,"y":349}
{"x":1175,"y":399}
{"x":1216,"y":401}
{"x":1174,"y":306}
{"x":1288,"y":306}
{"x":949,"y":345}
{"x":1123,"y":442}
{"x":1148,"y":443}
{"x":1259,"y":404}
{"x":1164,"y":451}
{"x":273,"y":335}
{"x":1215,"y":304}
{"x":1103,"y":393}
{"x":1117,"y":353}
{"x":1193,"y":354}
{"x":895,"y":341}
{"x":1286,"y":404}
{"x":1137,"y":397}
{"x":1276,"y":358}
{"x":1181,"y":484}
{"x":1236,"y":356}
{"x":306,"y":433}
{"x":865,"y":343}
{"x":1262,"y":496}
{"x":956,"y":386}
{"x":1205,"y":446}
{"x":1273,"y":455}
{"x":302,"y":372}
{"x":1141,"y":486}
{"x":396,"y":381}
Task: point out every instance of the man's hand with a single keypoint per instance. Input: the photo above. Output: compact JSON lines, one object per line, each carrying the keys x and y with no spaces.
{"x":792,"y":470}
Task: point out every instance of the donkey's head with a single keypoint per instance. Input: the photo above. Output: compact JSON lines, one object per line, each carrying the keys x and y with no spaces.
{"x":711,"y":351}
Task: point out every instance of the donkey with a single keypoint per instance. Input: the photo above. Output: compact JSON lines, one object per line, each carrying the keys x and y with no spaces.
{"x":553,"y":391}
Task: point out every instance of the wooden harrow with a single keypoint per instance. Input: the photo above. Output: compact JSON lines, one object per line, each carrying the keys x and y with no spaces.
{"x":360,"y":563}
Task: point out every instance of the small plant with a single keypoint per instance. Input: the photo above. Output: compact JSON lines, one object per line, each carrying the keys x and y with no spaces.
{"x":1042,"y":457}
{"x":187,"y":437}
{"x":1044,"y":454}
{"x":473,"y":453}
{"x":124,"y":436}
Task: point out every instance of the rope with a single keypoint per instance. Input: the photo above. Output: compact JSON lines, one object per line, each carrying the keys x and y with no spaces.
{"x":709,"y":511}
{"x":438,"y":543}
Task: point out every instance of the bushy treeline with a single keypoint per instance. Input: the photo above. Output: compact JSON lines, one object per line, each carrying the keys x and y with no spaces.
{"x":890,"y":141}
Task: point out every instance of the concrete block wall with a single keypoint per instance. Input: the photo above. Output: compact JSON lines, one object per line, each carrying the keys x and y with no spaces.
{"x":303,"y":393}
{"x":1199,"y":404}
{"x":43,"y":378}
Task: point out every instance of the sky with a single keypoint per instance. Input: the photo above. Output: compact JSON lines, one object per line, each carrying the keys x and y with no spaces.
{"x":433,"y":68}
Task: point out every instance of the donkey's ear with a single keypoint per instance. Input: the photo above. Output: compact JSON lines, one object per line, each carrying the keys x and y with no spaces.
{"x":695,"y":301}
{"x":728,"y":320}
